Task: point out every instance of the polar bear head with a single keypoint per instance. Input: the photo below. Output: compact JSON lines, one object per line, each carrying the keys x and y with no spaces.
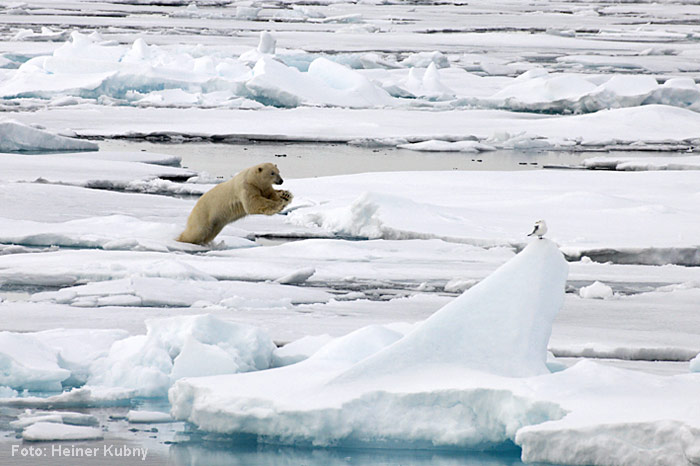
{"x":264,"y":175}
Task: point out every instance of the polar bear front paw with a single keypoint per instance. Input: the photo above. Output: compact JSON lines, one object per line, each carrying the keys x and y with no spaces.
{"x":285,"y":196}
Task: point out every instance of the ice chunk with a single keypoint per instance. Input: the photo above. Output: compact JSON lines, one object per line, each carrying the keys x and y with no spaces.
{"x":26,"y":421}
{"x":351,"y":87}
{"x":148,"y":417}
{"x":596,"y":290}
{"x":179,"y":347}
{"x":277,"y":84}
{"x":694,"y":364}
{"x":458,"y":285}
{"x":325,"y":83}
{"x":501,"y":325}
{"x":629,"y":85}
{"x":84,"y":397}
{"x":247,"y":12}
{"x":366,"y":386}
{"x":15,"y":136}
{"x":631,"y":417}
{"x":197,"y":359}
{"x":27,"y":363}
{"x":675,"y":162}
{"x":267,"y":43}
{"x":541,"y":88}
{"x":424,"y":59}
{"x":49,"y":431}
{"x":297,"y":277}
{"x":64,"y":417}
{"x":265,"y":49}
{"x":434,"y":145}
{"x":79,"y":348}
{"x":426,"y":83}
{"x":132,"y":364}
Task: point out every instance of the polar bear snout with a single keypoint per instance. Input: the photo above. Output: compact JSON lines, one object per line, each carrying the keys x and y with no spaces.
{"x":278,"y":180}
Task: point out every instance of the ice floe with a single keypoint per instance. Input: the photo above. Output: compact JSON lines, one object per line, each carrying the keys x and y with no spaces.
{"x":103,"y":171}
{"x":30,"y":417}
{"x":83,"y":397}
{"x":49,"y":431}
{"x":605,"y":129}
{"x":360,"y":372}
{"x":486,"y":201}
{"x":148,"y":417}
{"x":17,"y":137}
{"x":674,"y":162}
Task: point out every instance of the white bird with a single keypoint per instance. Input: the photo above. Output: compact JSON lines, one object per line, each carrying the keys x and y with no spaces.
{"x":540,"y":229}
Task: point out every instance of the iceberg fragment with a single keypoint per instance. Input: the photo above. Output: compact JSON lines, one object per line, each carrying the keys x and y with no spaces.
{"x":501,"y":325}
{"x":180,"y":347}
{"x":445,"y":383}
{"x":27,"y":363}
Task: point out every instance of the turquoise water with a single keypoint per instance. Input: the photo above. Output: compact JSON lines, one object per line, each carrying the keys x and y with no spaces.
{"x":221,"y":454}
{"x":179,"y":443}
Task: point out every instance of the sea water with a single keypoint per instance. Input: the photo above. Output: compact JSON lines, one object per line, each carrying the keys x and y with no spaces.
{"x":308,"y":160}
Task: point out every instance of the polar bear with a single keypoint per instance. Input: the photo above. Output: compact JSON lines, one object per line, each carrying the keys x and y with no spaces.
{"x":249,"y":192}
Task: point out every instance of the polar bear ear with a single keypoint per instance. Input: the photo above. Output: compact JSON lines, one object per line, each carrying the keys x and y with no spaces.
{"x":259,"y":169}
